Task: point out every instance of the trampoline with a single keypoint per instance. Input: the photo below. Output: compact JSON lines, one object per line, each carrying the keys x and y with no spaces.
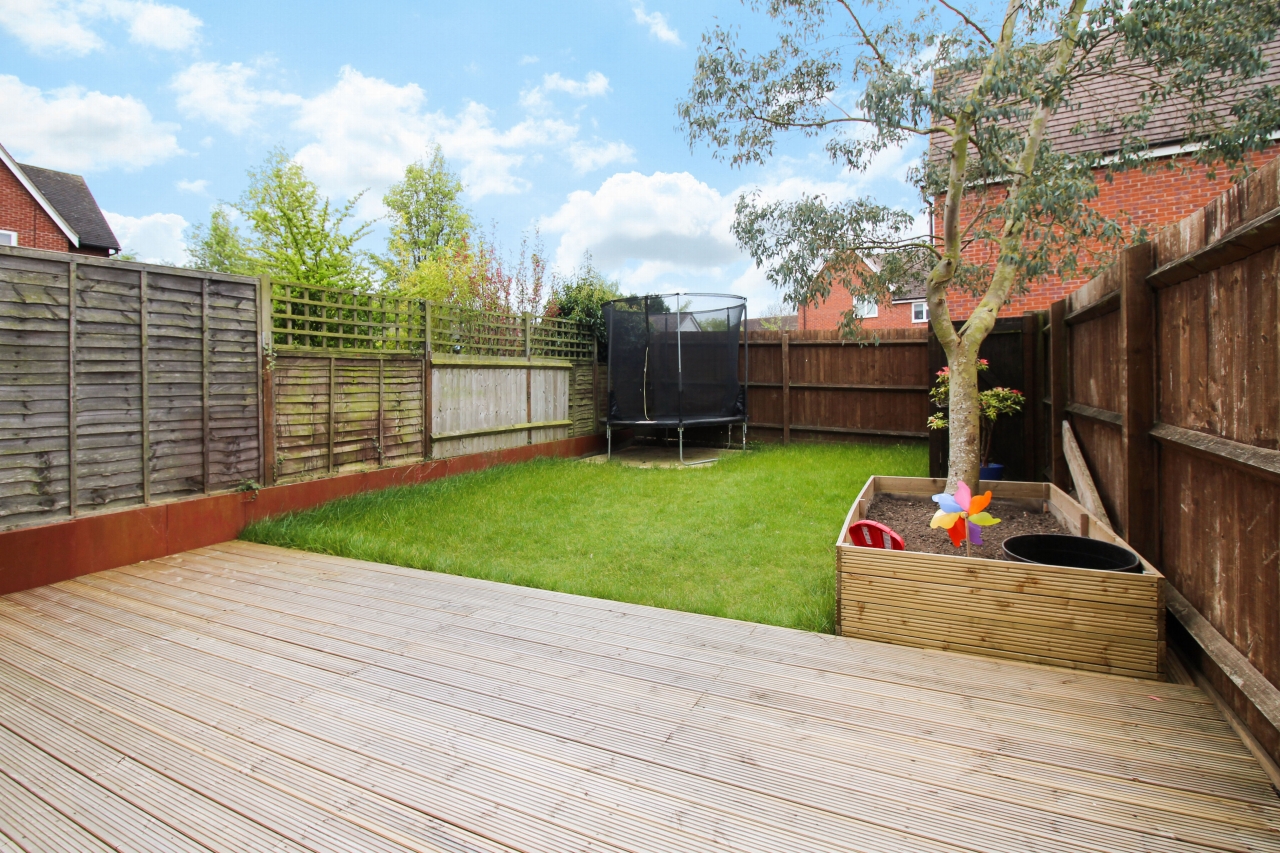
{"x":673,"y":362}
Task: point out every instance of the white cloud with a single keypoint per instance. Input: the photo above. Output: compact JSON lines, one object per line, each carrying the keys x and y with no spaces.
{"x":155,"y":238}
{"x":657,"y":24}
{"x":74,"y":129}
{"x":647,"y":223}
{"x":528,"y":59}
{"x":64,"y":26}
{"x":225,"y":95}
{"x":199,"y":187}
{"x":594,"y":85}
{"x":589,"y":157}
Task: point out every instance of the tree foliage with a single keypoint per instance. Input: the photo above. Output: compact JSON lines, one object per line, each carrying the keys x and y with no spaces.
{"x":983,"y":83}
{"x":219,"y":246}
{"x":426,"y":217}
{"x":581,"y":295}
{"x":296,"y":233}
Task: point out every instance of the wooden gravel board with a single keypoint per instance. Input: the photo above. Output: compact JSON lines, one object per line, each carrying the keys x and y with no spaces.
{"x":359,"y":715}
{"x":864,"y":708}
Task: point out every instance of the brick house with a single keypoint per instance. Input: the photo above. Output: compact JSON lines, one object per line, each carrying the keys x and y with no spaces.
{"x":45,"y":209}
{"x":1153,"y":198}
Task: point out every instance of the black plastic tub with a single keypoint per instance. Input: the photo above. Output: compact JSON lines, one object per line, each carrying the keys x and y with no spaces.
{"x":1077,"y":552}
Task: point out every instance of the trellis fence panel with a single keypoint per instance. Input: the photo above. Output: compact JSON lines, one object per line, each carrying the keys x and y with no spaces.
{"x":347,"y":387}
{"x":122,"y":384}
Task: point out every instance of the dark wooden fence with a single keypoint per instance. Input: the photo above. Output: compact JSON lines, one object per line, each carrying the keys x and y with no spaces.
{"x":1167,"y":367}
{"x":816,"y":385}
{"x":122,"y":384}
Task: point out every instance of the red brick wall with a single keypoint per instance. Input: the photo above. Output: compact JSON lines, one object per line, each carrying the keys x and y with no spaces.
{"x":22,"y":213}
{"x":1154,"y":199}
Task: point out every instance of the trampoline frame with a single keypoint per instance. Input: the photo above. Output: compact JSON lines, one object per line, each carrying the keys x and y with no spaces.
{"x":680,"y":421}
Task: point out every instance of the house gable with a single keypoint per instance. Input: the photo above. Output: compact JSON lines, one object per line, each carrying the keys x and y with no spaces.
{"x":26,"y":211}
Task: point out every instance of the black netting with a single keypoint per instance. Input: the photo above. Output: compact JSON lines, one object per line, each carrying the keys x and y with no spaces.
{"x":674,"y":359}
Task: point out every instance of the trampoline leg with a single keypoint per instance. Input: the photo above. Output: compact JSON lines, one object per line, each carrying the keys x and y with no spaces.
{"x":608,"y":438}
{"x":680,"y":432}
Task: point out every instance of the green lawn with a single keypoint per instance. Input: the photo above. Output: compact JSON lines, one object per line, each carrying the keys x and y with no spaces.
{"x":750,"y":537}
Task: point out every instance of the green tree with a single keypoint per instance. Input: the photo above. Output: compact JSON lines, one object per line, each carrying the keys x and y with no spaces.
{"x":297,"y":234}
{"x":218,"y":246}
{"x":581,"y":296}
{"x":870,"y":76}
{"x":426,"y":217}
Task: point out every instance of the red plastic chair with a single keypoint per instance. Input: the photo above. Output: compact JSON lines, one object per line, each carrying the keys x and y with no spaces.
{"x":873,"y":534}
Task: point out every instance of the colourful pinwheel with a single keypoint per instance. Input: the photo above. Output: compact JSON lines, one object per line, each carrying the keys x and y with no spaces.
{"x":963,"y":515}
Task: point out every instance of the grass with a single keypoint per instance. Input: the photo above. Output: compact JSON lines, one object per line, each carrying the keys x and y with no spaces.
{"x":750,"y":537}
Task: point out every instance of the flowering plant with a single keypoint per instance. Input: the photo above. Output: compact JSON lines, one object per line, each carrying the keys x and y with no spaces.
{"x":992,"y":403}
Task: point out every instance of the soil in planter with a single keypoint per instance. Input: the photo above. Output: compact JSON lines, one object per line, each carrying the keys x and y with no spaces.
{"x":909,"y":518}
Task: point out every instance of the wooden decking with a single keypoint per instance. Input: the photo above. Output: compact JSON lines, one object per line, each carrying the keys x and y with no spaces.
{"x":250,"y":698}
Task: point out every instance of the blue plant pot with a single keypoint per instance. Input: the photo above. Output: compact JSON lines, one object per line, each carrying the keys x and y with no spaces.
{"x":994,"y":471}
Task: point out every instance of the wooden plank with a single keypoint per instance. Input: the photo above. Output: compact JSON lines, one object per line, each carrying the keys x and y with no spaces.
{"x":498,"y":430}
{"x":1239,"y":243}
{"x":1103,"y":306}
{"x":889,"y":433}
{"x":144,"y":370}
{"x":332,"y":402}
{"x":1140,"y":499}
{"x":786,"y":390}
{"x":1258,"y":461}
{"x":1058,"y":385}
{"x":838,"y":386}
{"x":1094,"y":414}
{"x":1254,"y":685}
{"x":73,"y":492}
{"x":1080,"y":475}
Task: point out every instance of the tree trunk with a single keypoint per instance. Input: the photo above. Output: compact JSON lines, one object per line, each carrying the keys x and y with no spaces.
{"x":963,"y":418}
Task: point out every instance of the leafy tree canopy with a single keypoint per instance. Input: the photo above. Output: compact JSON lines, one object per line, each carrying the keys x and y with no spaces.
{"x":219,"y":246}
{"x":983,"y":83}
{"x":426,"y":217}
{"x":296,"y":233}
{"x":581,"y":296}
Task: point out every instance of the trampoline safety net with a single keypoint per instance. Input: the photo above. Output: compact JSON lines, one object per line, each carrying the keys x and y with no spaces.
{"x":673,"y":360}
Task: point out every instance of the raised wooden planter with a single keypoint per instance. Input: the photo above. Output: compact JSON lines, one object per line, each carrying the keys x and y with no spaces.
{"x":1080,"y":618}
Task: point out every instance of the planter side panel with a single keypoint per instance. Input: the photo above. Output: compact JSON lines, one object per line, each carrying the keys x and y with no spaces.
{"x":1033,"y":615}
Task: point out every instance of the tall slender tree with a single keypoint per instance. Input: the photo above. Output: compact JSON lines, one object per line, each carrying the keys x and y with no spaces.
{"x":426,"y":217}
{"x":983,"y":83}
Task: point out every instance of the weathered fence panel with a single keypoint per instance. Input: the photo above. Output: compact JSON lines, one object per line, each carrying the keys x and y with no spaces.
{"x":817,"y":385}
{"x":348,"y":386}
{"x":122,"y":384}
{"x":1170,"y":377}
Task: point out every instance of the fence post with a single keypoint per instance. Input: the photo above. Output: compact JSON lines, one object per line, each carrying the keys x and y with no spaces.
{"x":1058,"y":366}
{"x":73,"y":487}
{"x":595,"y":383}
{"x":204,"y":383}
{"x":266,"y":384}
{"x":528,"y":376}
{"x":144,"y":357}
{"x":786,"y":391}
{"x":426,"y":382}
{"x":381,"y":408}
{"x":332,"y":404}
{"x":1138,"y":388}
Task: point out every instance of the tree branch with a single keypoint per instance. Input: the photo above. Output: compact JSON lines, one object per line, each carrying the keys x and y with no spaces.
{"x":979,"y":30}
{"x":866,"y":39}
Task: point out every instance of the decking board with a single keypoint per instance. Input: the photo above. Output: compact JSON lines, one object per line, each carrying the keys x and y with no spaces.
{"x":248,"y":697}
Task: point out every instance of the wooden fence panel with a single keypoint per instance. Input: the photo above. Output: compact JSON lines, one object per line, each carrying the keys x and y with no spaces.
{"x":833,"y":388}
{"x":1173,"y":389}
{"x":469,"y":400}
{"x":121,"y":384}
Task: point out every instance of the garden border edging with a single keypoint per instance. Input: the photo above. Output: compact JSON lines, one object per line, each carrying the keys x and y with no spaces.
{"x":49,"y":553}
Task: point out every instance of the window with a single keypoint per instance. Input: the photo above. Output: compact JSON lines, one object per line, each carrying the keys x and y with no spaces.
{"x":919,"y":312}
{"x":864,"y":307}
{"x":8,"y":238}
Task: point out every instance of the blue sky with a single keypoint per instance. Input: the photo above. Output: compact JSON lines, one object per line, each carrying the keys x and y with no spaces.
{"x":559,"y":116}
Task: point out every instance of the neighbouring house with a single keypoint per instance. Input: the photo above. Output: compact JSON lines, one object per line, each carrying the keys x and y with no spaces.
{"x":45,"y":209}
{"x":1153,"y":198}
